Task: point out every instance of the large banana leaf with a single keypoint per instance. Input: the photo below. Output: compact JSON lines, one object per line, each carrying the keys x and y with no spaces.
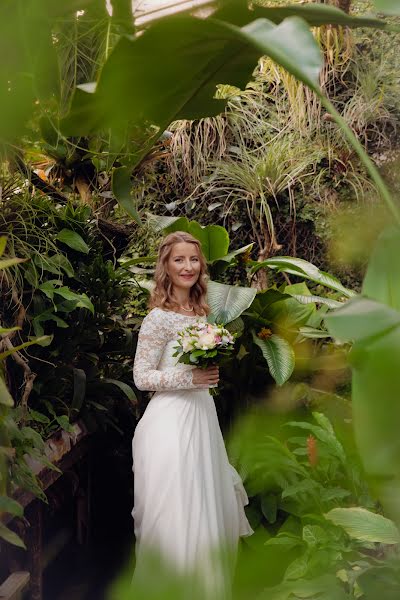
{"x":227,"y":302}
{"x":279,"y":356}
{"x":389,"y":7}
{"x":149,"y":85}
{"x":361,"y":318}
{"x":304,"y":269}
{"x":374,"y":324}
{"x":214,"y":240}
{"x":314,"y":14}
{"x":382,"y":280}
{"x":30,"y":72}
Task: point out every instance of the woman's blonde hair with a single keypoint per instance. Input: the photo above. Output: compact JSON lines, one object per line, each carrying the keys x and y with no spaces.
{"x":161,"y":296}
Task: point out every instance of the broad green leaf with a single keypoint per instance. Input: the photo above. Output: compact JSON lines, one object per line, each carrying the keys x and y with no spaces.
{"x":169,"y":224}
{"x":234,"y":253}
{"x":269,"y":507}
{"x":382,"y":280}
{"x":10,"y":537}
{"x":336,"y":493}
{"x":5,"y":396}
{"x":304,"y":486}
{"x":64,"y":423}
{"x":313,"y":333}
{"x":376,"y":381}
{"x":31,"y":74}
{"x":73,"y":240}
{"x":279,"y":355}
{"x":325,"y":587}
{"x":81,"y":299}
{"x":45,"y":263}
{"x":297,"y":569}
{"x":360,"y":319}
{"x":124,"y":387}
{"x":317,"y":300}
{"x":376,"y":410}
{"x":3,"y":243}
{"x":214,"y":240}
{"x":314,"y":535}
{"x":236,"y":326}
{"x":227,"y":302}
{"x":283,"y":541}
{"x":47,"y":316}
{"x":62,"y":262}
{"x":304,"y":269}
{"x":388,"y":7}
{"x":121,"y":187}
{"x":323,"y":422}
{"x":202,"y":53}
{"x":260,"y":307}
{"x":314,"y":14}
{"x":128,"y":262}
{"x":289,"y":314}
{"x":364,"y":525}
{"x":38,"y":416}
{"x":10,"y":506}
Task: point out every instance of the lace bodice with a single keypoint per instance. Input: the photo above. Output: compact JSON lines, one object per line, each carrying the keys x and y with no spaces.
{"x":155,"y":369}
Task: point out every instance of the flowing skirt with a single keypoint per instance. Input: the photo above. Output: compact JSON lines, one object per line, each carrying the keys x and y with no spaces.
{"x":188,"y":500}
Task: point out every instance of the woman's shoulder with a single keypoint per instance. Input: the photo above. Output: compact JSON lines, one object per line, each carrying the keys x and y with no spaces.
{"x":155,"y":314}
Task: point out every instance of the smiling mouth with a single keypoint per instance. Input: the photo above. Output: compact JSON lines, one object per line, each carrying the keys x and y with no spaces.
{"x":187,"y":276}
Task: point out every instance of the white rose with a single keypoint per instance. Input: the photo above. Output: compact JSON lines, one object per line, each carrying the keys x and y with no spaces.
{"x":187,"y":345}
{"x":206,"y":341}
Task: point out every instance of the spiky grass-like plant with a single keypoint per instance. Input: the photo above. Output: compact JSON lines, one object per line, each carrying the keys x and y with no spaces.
{"x":261,"y":177}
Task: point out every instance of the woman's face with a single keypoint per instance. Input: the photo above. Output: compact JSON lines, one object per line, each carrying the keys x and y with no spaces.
{"x":184,"y":265}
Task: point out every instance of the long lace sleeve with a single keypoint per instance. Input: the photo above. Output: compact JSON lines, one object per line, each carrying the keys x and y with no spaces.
{"x":153,"y":336}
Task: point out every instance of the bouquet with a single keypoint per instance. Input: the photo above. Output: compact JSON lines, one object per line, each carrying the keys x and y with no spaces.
{"x":204,"y":344}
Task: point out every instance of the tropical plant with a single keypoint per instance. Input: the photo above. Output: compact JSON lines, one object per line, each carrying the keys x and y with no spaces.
{"x":304,"y":490}
{"x":371,"y":321}
{"x":10,"y":459}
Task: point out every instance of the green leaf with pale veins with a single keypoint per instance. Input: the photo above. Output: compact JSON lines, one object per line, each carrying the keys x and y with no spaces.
{"x":279,"y":355}
{"x":227,"y":302}
{"x":365,"y":525}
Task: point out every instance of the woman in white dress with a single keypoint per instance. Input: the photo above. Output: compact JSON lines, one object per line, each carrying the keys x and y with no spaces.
{"x":188,"y":500}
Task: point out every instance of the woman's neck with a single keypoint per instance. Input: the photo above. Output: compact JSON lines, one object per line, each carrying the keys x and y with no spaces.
{"x":181,"y":297}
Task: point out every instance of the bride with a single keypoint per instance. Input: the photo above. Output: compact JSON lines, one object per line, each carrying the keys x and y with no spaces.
{"x":188,"y":500}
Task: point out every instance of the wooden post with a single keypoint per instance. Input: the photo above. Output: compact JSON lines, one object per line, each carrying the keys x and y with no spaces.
{"x":13,"y":587}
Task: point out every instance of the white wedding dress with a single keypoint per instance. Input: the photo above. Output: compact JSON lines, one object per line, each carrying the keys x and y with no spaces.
{"x":188,"y":500}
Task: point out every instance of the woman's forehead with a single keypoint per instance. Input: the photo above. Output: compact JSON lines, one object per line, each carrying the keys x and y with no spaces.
{"x":184,"y":248}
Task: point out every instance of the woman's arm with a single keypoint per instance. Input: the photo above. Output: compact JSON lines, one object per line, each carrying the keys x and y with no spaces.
{"x":153,"y":335}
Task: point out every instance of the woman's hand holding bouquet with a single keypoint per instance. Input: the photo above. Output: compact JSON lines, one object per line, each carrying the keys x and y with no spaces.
{"x":205,"y":346}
